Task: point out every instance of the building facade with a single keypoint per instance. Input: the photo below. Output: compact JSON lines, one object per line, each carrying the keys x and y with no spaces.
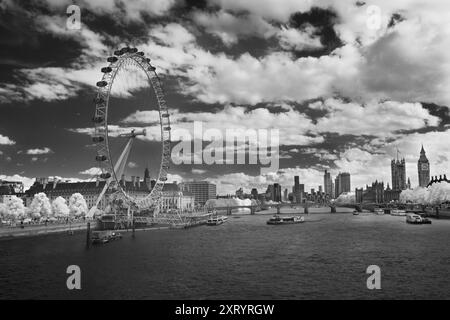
{"x":276,"y":192}
{"x":372,"y":194}
{"x":327,"y":184}
{"x":202,"y":190}
{"x":423,"y":169}
{"x":398,"y":173}
{"x":173,"y":198}
{"x":55,"y":188}
{"x":342,"y":183}
{"x":298,"y":191}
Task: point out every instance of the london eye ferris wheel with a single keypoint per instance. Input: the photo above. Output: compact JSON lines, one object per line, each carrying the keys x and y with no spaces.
{"x":112,"y":159}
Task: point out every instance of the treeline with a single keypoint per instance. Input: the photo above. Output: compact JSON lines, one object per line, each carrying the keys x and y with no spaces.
{"x":42,"y":208}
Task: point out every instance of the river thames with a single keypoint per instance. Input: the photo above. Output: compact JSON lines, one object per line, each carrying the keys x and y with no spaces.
{"x":324,"y":258}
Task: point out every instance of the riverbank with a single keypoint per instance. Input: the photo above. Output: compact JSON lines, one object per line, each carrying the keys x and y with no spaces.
{"x":38,"y":230}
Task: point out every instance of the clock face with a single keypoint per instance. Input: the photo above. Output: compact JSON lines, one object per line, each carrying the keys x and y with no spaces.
{"x":424,"y":166}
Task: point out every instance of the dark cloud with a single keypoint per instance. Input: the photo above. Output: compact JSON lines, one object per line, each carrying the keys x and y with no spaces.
{"x":323,"y":20}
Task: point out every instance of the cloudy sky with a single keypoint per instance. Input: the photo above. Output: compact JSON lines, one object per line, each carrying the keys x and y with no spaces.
{"x":346,"y":83}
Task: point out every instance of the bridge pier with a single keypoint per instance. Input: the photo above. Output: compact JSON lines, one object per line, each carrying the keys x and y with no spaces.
{"x":228,"y":211}
{"x":358,"y":208}
{"x":252,"y":210}
{"x":306,"y":210}
{"x":333,"y":209}
{"x":278,"y":209}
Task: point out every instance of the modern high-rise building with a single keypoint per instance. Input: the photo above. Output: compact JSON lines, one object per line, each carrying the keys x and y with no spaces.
{"x":342,"y":183}
{"x":423,"y":168}
{"x":254,"y":193}
{"x":298,"y":190}
{"x":202,"y":190}
{"x":327,"y":184}
{"x":398,"y":172}
{"x":276,"y":192}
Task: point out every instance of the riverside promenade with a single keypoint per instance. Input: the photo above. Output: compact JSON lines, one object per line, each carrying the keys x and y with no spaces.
{"x":9,"y":232}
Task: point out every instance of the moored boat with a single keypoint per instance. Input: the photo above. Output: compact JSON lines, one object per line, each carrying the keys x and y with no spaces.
{"x":285,"y":220}
{"x":413,"y":218}
{"x":397,"y":212}
{"x":378,"y":211}
{"x":215,"y":221}
{"x":102,"y":237}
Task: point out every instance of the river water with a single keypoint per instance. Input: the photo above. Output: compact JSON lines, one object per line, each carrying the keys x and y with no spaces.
{"x":324,"y":258}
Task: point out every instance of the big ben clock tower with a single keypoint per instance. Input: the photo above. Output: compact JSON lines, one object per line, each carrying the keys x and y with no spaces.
{"x":423,"y":167}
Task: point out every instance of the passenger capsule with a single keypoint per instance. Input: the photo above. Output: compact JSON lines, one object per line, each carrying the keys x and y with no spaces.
{"x":118,"y":53}
{"x":140,"y":53}
{"x":148,"y":60}
{"x":133,"y":50}
{"x":167,"y":128}
{"x":165,"y":115}
{"x":106,"y":175}
{"x":112,"y":59}
{"x":98,"y":139}
{"x":151,"y":68}
{"x":125,"y":49}
{"x":106,"y":69}
{"x":102,"y":84}
{"x":100,"y":157}
{"x":163,"y":179}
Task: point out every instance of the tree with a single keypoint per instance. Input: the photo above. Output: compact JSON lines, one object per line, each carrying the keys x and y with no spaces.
{"x":3,"y":211}
{"x":77,"y":205}
{"x":60,"y":208}
{"x":40,"y":206}
{"x":16,"y":209}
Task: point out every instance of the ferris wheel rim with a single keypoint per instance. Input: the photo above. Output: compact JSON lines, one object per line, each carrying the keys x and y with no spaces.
{"x":101,"y":132}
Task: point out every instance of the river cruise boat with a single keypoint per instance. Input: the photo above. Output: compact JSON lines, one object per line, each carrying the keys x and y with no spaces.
{"x":285,"y":220}
{"x":216,"y":220}
{"x":397,"y":212}
{"x":102,"y":237}
{"x":413,"y":218}
{"x":355,"y":213}
{"x":378,"y":211}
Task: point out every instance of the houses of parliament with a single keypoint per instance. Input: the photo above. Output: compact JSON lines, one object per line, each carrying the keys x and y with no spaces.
{"x":376,"y":193}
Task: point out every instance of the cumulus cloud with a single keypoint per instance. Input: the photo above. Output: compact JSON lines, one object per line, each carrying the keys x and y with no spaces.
{"x":294,"y":39}
{"x":373,"y":118}
{"x":126,"y":10}
{"x":4,"y":140}
{"x":229,"y":27}
{"x":296,"y":129}
{"x":132,"y":165}
{"x":279,"y":10}
{"x":94,"y":171}
{"x":39,"y":151}
{"x":27,"y":182}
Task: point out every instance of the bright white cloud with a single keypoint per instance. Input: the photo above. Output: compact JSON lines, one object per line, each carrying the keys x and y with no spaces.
{"x":39,"y":151}
{"x":94,"y":171}
{"x":4,"y":140}
{"x":27,"y":182}
{"x":291,"y":38}
{"x":373,"y":118}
